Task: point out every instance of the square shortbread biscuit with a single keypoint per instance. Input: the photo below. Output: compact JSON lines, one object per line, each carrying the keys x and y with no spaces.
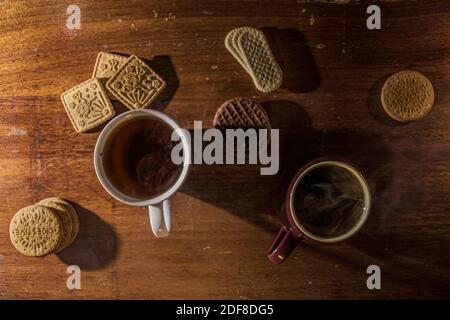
{"x":87,"y":105}
{"x":136,"y":85}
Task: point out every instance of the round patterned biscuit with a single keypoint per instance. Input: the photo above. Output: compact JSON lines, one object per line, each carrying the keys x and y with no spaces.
{"x":35,"y":230}
{"x":66,"y":220}
{"x":241,"y":113}
{"x":73,"y":216}
{"x":407,"y":96}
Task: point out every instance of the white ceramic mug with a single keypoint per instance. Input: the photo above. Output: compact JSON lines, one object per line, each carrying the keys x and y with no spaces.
{"x":159,"y":206}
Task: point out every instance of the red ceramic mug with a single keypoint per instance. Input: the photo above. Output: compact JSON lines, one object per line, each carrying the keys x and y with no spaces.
{"x":327,"y":201}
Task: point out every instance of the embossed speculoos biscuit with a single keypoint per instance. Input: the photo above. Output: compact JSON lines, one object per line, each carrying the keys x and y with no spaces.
{"x":65,"y":218}
{"x":136,"y":85}
{"x":107,"y":64}
{"x":407,"y":96}
{"x":87,"y":105}
{"x":35,"y":231}
{"x":250,"y":48}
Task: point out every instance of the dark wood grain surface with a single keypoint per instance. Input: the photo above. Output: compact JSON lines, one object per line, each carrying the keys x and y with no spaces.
{"x":225,"y":216}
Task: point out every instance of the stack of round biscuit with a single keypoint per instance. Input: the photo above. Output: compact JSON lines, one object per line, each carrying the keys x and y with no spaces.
{"x":44,"y":228}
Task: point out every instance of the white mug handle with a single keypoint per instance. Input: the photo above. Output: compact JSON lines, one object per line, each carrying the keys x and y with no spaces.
{"x":160,"y":218}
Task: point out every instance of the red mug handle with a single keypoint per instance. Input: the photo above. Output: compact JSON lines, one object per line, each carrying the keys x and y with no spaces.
{"x":282,"y":246}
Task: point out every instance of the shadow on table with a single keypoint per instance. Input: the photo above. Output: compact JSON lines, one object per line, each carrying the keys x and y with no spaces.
{"x":241,"y":190}
{"x":407,"y":261}
{"x":291,"y":51}
{"x":163,"y":66}
{"x":96,"y":244}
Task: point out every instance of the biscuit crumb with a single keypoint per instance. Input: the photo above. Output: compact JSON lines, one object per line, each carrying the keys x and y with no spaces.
{"x":170,"y":17}
{"x":16,"y":132}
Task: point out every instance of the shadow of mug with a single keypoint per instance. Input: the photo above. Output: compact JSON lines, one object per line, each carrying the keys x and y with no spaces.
{"x":258,"y":205}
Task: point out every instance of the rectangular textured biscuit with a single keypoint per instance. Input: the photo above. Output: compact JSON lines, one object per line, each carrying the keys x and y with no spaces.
{"x":256,"y":54}
{"x":233,"y":48}
{"x":136,"y":85}
{"x":87,"y":105}
{"x":107,"y":64}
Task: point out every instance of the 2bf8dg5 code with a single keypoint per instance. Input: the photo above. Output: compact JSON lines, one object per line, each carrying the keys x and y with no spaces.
{"x":244,"y":309}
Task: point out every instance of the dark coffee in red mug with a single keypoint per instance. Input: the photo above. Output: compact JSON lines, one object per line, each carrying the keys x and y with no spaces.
{"x":328,"y":201}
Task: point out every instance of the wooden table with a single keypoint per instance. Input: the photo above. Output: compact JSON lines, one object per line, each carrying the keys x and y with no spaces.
{"x":225,"y":216}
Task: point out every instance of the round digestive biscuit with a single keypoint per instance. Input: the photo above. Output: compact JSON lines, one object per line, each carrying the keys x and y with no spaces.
{"x":241,"y":113}
{"x":73,"y":216}
{"x":407,"y":96}
{"x":35,"y":230}
{"x":66,"y":220}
